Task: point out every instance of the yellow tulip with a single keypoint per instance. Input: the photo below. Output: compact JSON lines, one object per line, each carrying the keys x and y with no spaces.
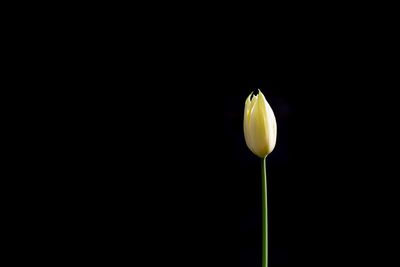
{"x":259,"y":125}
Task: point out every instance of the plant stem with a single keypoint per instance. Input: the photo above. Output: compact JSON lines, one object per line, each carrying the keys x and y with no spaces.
{"x":264,"y":214}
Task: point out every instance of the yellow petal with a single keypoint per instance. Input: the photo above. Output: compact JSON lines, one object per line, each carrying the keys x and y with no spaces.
{"x":269,"y":122}
{"x":257,"y":129}
{"x":246,"y":122}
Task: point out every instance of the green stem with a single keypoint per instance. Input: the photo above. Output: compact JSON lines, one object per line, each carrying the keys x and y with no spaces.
{"x":264,"y":215}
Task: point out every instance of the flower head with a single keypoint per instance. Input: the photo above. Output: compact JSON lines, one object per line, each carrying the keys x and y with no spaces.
{"x":259,"y":125}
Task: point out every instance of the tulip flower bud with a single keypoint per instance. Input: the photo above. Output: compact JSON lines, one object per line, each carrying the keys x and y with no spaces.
{"x":259,"y":125}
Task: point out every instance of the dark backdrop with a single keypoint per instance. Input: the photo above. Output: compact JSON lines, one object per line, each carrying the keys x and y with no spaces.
{"x":154,"y":166}
{"x":175,"y":183}
{"x":190,"y":188}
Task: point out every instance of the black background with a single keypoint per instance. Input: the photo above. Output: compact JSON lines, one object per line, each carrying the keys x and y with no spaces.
{"x":173,"y":179}
{"x":154,"y":168}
